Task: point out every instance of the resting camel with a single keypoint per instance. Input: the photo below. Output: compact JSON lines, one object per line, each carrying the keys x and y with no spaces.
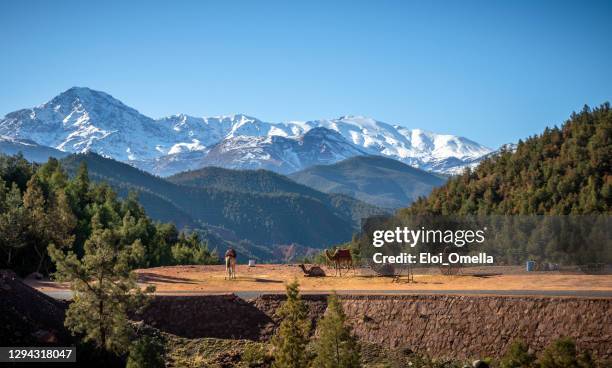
{"x":314,"y":271}
{"x":230,"y":264}
{"x":341,"y":259}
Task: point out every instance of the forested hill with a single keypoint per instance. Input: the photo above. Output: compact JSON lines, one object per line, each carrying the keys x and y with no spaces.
{"x":378,"y":180}
{"x":271,"y":218}
{"x":561,"y":171}
{"x":260,"y":181}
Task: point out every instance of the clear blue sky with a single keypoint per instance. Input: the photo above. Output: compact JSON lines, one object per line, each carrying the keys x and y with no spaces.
{"x":493,"y":71}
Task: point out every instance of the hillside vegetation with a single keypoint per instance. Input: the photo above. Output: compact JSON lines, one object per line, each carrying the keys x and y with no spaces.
{"x":41,"y":206}
{"x":267,"y":211}
{"x":559,"y":172}
{"x":378,"y":180}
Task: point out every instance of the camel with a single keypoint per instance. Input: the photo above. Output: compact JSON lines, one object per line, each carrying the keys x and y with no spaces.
{"x":341,"y":259}
{"x":230,"y":264}
{"x":314,"y":271}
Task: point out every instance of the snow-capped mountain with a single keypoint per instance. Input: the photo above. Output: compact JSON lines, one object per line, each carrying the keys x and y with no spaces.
{"x":318,"y":146}
{"x":81,"y":120}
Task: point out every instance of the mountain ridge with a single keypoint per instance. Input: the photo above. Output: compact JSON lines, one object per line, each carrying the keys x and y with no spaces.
{"x":263,"y":218}
{"x":82,"y":120}
{"x":376,"y":180}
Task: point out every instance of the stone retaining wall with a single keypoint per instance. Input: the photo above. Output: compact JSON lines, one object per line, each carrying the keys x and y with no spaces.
{"x":437,"y":325}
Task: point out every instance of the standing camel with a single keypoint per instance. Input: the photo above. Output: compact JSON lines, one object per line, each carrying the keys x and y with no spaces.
{"x":341,"y":259}
{"x":230,"y":264}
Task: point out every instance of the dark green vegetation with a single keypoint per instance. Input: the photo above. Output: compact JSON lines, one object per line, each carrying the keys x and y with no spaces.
{"x":234,"y":207}
{"x":290,"y":341}
{"x":40,"y":205}
{"x":561,"y":353}
{"x":103,"y":285}
{"x":146,"y":352}
{"x":381,"y":181}
{"x":268,"y":182}
{"x":562,"y":171}
{"x":335,"y":345}
{"x":332,"y":346}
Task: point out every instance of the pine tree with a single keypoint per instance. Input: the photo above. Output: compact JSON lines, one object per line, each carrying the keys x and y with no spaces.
{"x":50,"y":220}
{"x":13,"y":225}
{"x":104,"y":290}
{"x":335,"y":346}
{"x":78,"y":191}
{"x":35,"y":205}
{"x":289,"y":343}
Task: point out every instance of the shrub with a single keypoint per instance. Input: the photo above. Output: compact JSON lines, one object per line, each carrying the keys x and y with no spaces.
{"x":146,"y":352}
{"x":256,"y":355}
{"x":518,"y":356}
{"x":560,"y":354}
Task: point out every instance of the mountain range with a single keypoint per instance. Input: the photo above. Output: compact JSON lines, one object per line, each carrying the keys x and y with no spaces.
{"x":259,"y":212}
{"x":84,"y":120}
{"x":378,"y":180}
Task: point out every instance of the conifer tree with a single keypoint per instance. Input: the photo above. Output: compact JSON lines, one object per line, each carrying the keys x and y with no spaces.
{"x":335,"y":346}
{"x":34,"y":203}
{"x":289,"y":343}
{"x":104,"y":289}
{"x":13,"y":225}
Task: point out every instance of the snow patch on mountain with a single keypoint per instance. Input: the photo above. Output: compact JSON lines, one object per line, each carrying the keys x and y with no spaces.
{"x":80,"y":120}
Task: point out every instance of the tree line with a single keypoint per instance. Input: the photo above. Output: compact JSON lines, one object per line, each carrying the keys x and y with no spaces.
{"x":563,"y":171}
{"x":40,"y":205}
{"x":548,"y":199}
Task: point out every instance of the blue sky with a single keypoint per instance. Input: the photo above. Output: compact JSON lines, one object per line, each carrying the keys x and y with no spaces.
{"x":493,"y":71}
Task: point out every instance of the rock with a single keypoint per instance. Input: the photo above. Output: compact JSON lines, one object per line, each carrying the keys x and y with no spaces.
{"x":479,"y":364}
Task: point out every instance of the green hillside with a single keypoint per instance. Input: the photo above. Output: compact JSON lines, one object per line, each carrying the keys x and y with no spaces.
{"x":559,"y":172}
{"x":381,"y":181}
{"x":259,"y":181}
{"x":264,"y":181}
{"x":548,"y":201}
{"x":265,"y":218}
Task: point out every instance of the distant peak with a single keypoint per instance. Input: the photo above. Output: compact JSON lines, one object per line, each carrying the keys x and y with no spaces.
{"x":79,"y":92}
{"x":356,"y":117}
{"x":85,"y":96}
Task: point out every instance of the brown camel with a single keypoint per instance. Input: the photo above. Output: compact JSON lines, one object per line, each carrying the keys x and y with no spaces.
{"x":314,"y":271}
{"x":341,"y":259}
{"x":230,"y":264}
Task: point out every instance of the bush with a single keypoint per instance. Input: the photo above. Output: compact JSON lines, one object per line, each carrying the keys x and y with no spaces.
{"x":256,"y":355}
{"x":146,"y":352}
{"x":562,"y":354}
{"x":518,"y":356}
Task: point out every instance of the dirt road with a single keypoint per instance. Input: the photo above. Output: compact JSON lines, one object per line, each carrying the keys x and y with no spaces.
{"x":272,"y":279}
